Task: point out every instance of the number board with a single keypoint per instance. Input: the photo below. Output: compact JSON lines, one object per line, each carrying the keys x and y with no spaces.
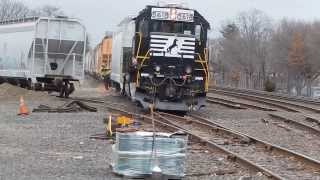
{"x":172,"y":14}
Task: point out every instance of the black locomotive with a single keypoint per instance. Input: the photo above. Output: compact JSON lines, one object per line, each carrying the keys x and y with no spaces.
{"x":169,"y":63}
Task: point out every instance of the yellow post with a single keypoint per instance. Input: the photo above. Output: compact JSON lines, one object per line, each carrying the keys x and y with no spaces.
{"x":151,"y":110}
{"x":109,"y":126}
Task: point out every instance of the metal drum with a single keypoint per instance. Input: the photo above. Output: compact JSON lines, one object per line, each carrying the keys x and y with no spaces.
{"x":133,"y":154}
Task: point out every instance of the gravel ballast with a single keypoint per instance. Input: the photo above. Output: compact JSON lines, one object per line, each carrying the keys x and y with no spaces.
{"x":58,"y":145}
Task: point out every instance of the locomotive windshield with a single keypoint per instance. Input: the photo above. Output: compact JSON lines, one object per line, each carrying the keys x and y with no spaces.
{"x":173,"y":27}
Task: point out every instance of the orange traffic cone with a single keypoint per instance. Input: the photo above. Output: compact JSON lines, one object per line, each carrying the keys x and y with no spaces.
{"x":23,"y":110}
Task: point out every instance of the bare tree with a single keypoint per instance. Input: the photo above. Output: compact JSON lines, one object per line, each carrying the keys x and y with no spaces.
{"x":296,"y":62}
{"x":231,"y":57}
{"x":12,"y":9}
{"x":312,"y":67}
{"x":252,"y":51}
{"x":295,"y":46}
{"x":48,"y":10}
{"x":215,"y":66}
{"x":255,"y":30}
{"x":245,"y":47}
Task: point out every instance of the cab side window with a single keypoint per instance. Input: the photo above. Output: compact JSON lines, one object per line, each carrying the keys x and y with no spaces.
{"x":198,"y":32}
{"x":144,"y":28}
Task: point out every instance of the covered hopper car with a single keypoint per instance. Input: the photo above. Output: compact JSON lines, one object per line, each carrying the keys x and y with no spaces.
{"x":98,"y":60}
{"x":42,"y":53}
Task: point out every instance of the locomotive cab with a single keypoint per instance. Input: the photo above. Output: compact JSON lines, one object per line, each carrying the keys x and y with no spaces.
{"x":169,"y":64}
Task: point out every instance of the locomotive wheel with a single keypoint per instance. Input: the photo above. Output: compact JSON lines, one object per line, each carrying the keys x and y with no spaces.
{"x":63,"y":89}
{"x":106,"y":81}
{"x":67,"y":92}
{"x":66,"y":89}
{"x":71,"y":89}
{"x":106,"y":86}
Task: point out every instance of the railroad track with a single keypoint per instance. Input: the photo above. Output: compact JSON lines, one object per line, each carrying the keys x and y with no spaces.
{"x":310,"y":123}
{"x":301,"y":99}
{"x":198,"y":139}
{"x":225,"y":103}
{"x":90,"y":100}
{"x":307,"y":124}
{"x":236,"y":104}
{"x":281,"y":104}
{"x":275,"y":161}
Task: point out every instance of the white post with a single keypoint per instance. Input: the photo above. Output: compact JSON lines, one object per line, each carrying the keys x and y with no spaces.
{"x":73,"y":64}
{"x":34,"y":47}
{"x":33,"y":53}
{"x":46,"y":52}
{"x":84,"y":50}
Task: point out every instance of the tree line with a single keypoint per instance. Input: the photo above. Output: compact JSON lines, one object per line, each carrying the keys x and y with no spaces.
{"x":14,"y":9}
{"x":256,"y":53}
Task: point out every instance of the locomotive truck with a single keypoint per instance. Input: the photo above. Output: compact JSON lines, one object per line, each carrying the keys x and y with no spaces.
{"x":160,"y":58}
{"x":42,"y":53}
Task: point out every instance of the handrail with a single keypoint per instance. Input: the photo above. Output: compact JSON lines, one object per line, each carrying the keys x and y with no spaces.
{"x":141,"y":64}
{"x":206,"y":73}
{"x":19,"y":20}
{"x":140,"y":40}
{"x":206,"y":57}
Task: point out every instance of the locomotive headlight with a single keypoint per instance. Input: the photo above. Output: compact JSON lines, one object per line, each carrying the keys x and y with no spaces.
{"x":173,"y":14}
{"x":157,"y":68}
{"x":188,"y":70}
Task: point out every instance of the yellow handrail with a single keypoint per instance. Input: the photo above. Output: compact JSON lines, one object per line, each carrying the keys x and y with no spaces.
{"x":205,"y":68}
{"x":141,"y":64}
{"x":140,"y":40}
{"x":206,"y":58}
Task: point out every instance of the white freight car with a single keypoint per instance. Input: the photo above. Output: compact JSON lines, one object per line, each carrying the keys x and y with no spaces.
{"x":90,"y":61}
{"x":43,"y":53}
{"x":121,"y":50}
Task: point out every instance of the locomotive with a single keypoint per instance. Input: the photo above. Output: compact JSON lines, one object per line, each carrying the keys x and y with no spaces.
{"x":160,"y":57}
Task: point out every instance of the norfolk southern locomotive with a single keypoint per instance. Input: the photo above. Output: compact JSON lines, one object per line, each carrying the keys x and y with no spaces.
{"x":160,"y":57}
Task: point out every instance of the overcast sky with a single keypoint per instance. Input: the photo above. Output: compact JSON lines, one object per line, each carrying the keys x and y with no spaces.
{"x":103,"y":15}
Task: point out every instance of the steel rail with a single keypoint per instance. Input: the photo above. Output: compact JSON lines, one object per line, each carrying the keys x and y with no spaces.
{"x":297,"y":123}
{"x":90,"y":100}
{"x":222,"y":101}
{"x":225,"y":103}
{"x":283,"y":151}
{"x":197,"y":138}
{"x":235,"y":156}
{"x":273,"y":102}
{"x":302,"y":99}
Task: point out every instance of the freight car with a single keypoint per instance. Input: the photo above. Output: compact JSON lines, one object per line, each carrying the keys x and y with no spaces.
{"x":42,"y":53}
{"x":160,"y":57}
{"x":98,"y":60}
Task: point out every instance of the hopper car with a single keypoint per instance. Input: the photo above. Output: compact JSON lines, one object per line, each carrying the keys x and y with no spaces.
{"x":43,"y":53}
